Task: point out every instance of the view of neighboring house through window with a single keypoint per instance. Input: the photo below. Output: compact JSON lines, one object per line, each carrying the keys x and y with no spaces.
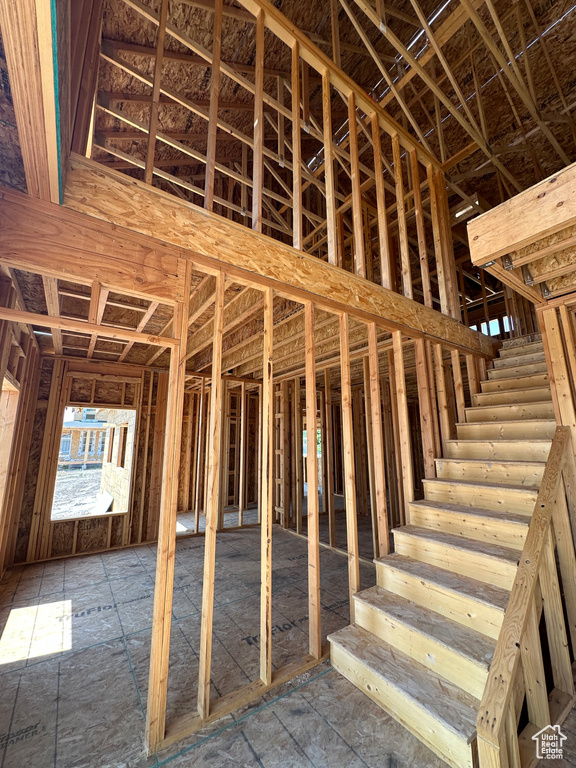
{"x":111,"y":444}
{"x":65,"y":445}
{"x":94,"y":463}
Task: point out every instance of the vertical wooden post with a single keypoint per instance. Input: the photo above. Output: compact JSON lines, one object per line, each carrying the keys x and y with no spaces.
{"x":257,"y":172}
{"x":296,"y":151}
{"x":199,"y":456}
{"x":161,"y":621}
{"x":458,"y":386}
{"x":401,"y":211}
{"x":370,"y":452}
{"x":433,"y":400}
{"x":267,"y":491}
{"x":285,"y":454}
{"x":378,"y":444}
{"x":420,"y":230}
{"x":438,"y":240}
{"x":359,"y":258}
{"x":213,"y":109}
{"x":335,"y":27}
{"x":212,"y":501}
{"x":315,"y":633}
{"x":155,"y":97}
{"x":349,"y":472}
{"x":443,"y":412}
{"x":328,"y":458}
{"x":242,"y":469}
{"x":296,"y":405}
{"x":188,"y":429}
{"x":329,"y":169}
{"x":562,"y":393}
{"x":396,"y":435}
{"x":224,"y":455}
{"x":403,"y":423}
{"x":425,"y":402}
{"x":383,"y":244}
{"x":472,"y":370}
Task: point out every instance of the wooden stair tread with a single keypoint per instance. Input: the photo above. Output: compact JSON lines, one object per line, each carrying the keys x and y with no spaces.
{"x":515,"y":440}
{"x":508,"y":352}
{"x":472,"y":589}
{"x":494,"y":514}
{"x":516,"y":360}
{"x":461,"y":639}
{"x":507,"y":422}
{"x":450,"y":705}
{"x":498,"y":462}
{"x":459,"y":542}
{"x":526,"y":489}
{"x":494,"y":406}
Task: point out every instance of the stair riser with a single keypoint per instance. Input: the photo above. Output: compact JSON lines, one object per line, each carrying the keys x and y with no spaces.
{"x":510,"y":412}
{"x":453,"y":605}
{"x":502,"y":532}
{"x":475,"y":565}
{"x":538,"y":394}
{"x":416,"y":719}
{"x":441,"y":659}
{"x":514,"y":362}
{"x":520,"y":370}
{"x":516,"y":382}
{"x":491,"y":471}
{"x":518,"y":500}
{"x":513,"y":430}
{"x":498,"y":450}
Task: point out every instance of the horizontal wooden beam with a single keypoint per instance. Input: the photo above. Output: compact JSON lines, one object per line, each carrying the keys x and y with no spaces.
{"x":65,"y":324}
{"x":44,"y":238}
{"x":536,"y":213}
{"x":216,"y":244}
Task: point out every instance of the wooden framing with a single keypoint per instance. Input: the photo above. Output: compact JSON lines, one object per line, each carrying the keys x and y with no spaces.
{"x":274,"y":262}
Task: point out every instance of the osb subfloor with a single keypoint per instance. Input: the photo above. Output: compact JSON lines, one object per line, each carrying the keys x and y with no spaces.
{"x":83,"y":706}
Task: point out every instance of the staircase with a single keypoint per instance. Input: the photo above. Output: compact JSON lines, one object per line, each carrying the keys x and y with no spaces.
{"x":423,"y":638}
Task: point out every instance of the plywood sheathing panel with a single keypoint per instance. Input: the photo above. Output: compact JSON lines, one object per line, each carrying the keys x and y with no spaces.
{"x":11,"y":165}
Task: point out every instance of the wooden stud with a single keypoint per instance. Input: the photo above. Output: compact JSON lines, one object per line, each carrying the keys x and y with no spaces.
{"x":403,"y":423}
{"x":243,"y":449}
{"x":328,"y":459}
{"x":314,"y":607}
{"x":425,"y":403}
{"x":296,"y":151}
{"x":382,"y":214}
{"x":329,"y":170}
{"x":401,"y":211}
{"x":359,"y":257}
{"x":161,"y":621}
{"x":213,"y":112}
{"x":212,"y":504}
{"x":458,"y":386}
{"x":155,"y":97}
{"x":349,"y":472}
{"x":257,"y":172}
{"x":266,"y":493}
{"x":554,"y":614}
{"x":381,"y":511}
{"x":299,"y":490}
